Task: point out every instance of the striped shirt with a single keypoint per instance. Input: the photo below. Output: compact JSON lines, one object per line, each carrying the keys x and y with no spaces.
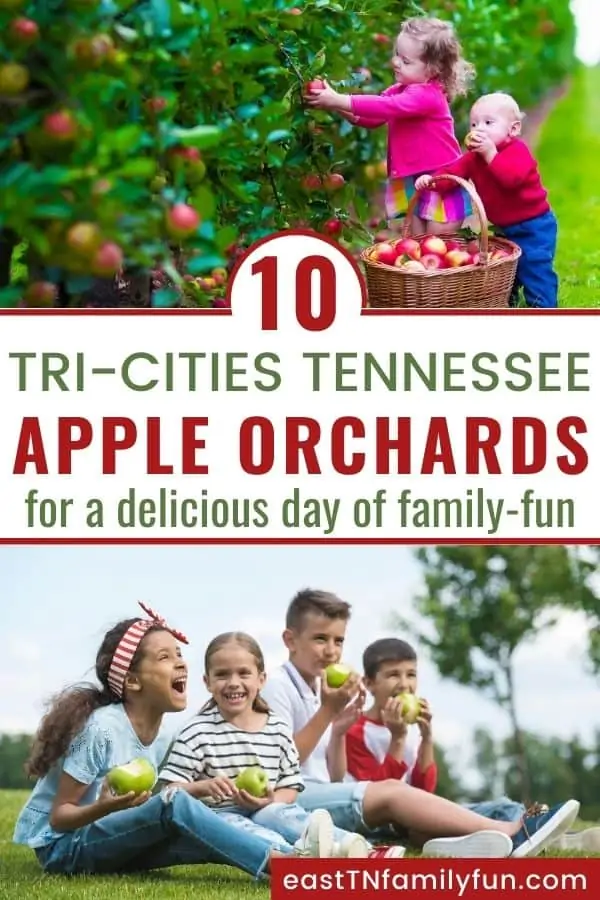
{"x":208,"y":746}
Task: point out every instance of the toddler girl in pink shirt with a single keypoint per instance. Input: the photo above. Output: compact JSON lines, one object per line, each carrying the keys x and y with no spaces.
{"x":429,"y":72}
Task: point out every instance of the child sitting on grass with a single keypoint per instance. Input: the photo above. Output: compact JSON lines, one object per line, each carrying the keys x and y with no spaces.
{"x":507,"y":178}
{"x":381,"y":745}
{"x":236,"y":730}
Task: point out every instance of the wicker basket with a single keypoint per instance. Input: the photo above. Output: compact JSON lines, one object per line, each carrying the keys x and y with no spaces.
{"x":485,"y":285}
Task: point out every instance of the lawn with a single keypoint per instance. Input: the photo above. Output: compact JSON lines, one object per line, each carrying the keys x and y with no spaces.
{"x":568,"y":153}
{"x":20,"y":875}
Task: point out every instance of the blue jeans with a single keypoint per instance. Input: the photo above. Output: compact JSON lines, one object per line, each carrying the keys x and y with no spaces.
{"x":535,"y":269}
{"x":277,"y":822}
{"x":342,"y":800}
{"x":502,"y":810}
{"x":170,"y":829}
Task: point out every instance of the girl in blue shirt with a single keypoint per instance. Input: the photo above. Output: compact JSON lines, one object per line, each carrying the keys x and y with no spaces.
{"x":73,"y":821}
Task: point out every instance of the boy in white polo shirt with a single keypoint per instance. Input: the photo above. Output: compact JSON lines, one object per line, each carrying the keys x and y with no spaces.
{"x":320,"y":716}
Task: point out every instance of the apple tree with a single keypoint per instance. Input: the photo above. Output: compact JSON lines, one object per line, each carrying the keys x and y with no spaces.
{"x":162,"y":136}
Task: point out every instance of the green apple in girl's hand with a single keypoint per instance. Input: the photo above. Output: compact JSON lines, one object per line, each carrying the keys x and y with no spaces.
{"x":138,"y":776}
{"x":254,"y":780}
{"x":337,"y":674}
{"x":410,"y":707}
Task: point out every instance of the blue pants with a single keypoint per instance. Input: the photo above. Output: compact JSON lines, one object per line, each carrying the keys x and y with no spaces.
{"x":502,"y":810}
{"x":278,"y":823}
{"x":535,"y":269}
{"x":170,"y":829}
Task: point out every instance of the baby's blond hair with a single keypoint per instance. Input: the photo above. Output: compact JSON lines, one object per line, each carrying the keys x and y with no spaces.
{"x":442,"y":52}
{"x":503,"y":101}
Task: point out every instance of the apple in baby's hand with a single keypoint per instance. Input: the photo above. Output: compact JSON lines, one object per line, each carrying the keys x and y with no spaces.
{"x":410,"y":707}
{"x":337,"y":674}
{"x":410,"y":247}
{"x":386,"y":253}
{"x":433,"y":244}
{"x":138,"y":776}
{"x":254,"y":781}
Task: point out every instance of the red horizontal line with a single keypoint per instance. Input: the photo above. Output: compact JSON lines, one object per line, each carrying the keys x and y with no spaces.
{"x":584,"y":311}
{"x":302,"y":541}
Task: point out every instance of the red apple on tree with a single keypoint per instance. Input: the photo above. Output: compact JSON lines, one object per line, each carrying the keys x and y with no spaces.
{"x":311,"y":182}
{"x":334,"y":181}
{"x":60,"y":126}
{"x":41,"y":293}
{"x":108,"y":260}
{"x":314,"y":86}
{"x":332,"y":226}
{"x":182,"y":220}
{"x":24,"y":31}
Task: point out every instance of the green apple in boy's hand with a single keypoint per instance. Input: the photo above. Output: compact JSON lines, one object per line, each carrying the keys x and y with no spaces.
{"x":410,"y":707}
{"x":138,"y":776}
{"x":254,"y":781}
{"x":337,"y":674}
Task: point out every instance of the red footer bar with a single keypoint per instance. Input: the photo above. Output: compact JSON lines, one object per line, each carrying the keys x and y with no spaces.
{"x":427,"y":879}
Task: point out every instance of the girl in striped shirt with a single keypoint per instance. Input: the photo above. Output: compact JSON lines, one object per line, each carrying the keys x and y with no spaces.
{"x":236,"y":730}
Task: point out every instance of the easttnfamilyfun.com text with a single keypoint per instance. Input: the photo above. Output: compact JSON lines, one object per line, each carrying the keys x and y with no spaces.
{"x":443,"y":881}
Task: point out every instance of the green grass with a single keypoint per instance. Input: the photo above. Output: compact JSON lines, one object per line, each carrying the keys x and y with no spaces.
{"x":20,"y":875}
{"x":568,"y":153}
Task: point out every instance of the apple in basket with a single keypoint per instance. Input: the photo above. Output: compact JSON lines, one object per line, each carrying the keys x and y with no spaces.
{"x":472,"y":247}
{"x":406,"y":264}
{"x":385,"y":253}
{"x":456,"y":258}
{"x":433,"y":244}
{"x":453,"y":245}
{"x":433,"y":261}
{"x":500,"y":254}
{"x":408,"y":247}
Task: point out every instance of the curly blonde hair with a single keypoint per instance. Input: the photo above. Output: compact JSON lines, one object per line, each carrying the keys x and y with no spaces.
{"x":442,"y":53}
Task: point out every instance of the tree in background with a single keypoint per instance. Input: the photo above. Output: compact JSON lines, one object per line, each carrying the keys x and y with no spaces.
{"x":14,"y":750}
{"x":481,"y":603}
{"x":563,"y":768}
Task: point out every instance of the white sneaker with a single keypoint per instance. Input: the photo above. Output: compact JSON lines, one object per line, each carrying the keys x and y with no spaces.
{"x":586,"y":841}
{"x":317,"y":840}
{"x":481,"y":845}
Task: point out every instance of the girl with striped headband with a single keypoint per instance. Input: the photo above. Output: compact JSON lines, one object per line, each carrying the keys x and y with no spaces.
{"x":73,"y":821}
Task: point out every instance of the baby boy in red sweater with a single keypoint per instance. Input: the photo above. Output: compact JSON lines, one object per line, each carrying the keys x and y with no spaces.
{"x":507,"y":178}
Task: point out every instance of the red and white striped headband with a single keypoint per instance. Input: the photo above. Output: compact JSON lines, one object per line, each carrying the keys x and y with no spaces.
{"x":123,"y":655}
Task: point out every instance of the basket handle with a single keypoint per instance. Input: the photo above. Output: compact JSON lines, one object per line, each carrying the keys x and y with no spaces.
{"x":477,"y":206}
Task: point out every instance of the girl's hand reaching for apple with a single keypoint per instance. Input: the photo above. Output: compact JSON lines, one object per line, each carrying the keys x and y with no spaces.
{"x":327,"y":98}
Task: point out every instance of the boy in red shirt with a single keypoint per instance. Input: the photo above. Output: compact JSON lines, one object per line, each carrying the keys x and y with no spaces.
{"x":381,"y":746}
{"x":507,"y":179}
